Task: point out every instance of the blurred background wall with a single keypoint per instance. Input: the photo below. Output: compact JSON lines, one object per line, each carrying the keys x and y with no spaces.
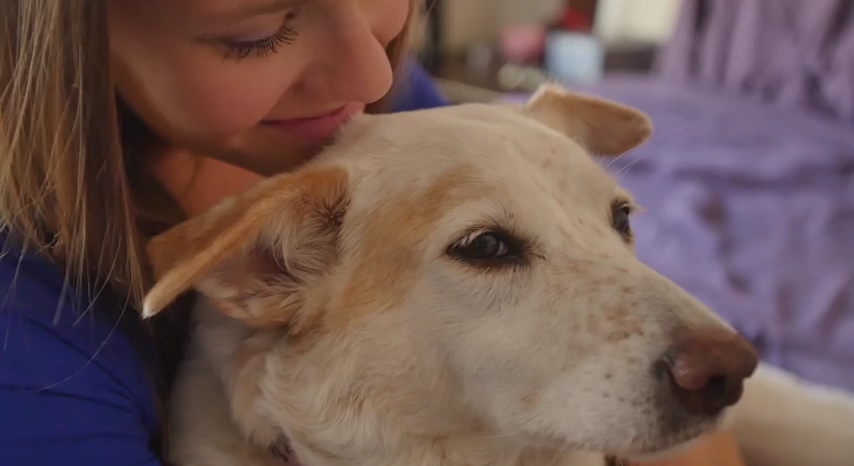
{"x":634,"y":20}
{"x":478,"y":47}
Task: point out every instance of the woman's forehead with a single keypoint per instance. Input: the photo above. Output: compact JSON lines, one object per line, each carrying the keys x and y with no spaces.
{"x":210,"y":11}
{"x":230,"y":10}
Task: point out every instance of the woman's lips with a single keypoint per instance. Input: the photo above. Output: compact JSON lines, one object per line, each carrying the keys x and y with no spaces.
{"x":318,"y":128}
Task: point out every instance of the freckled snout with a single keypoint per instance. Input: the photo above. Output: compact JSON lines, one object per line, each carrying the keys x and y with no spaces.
{"x":705,"y":371}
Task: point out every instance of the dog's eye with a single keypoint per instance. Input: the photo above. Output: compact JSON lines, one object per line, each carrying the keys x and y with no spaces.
{"x":486,"y":248}
{"x":620,"y":219}
{"x":482,"y":246}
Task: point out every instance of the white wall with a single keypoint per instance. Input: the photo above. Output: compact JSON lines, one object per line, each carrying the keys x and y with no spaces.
{"x":636,"y":20}
{"x":468,"y":21}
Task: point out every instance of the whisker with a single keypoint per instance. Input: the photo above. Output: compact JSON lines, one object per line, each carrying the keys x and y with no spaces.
{"x":655,"y":139}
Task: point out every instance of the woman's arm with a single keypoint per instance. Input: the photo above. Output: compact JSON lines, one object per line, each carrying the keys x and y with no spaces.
{"x":785,"y":421}
{"x":72,"y":391}
{"x":719,"y":449}
{"x":780,"y":421}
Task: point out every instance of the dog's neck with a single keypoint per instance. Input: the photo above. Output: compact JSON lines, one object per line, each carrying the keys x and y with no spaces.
{"x":439,"y":453}
{"x":219,"y":344}
{"x":459,"y":451}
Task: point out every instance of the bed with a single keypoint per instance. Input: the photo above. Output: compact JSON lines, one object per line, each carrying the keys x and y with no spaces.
{"x":751,"y":209}
{"x":748,"y":181}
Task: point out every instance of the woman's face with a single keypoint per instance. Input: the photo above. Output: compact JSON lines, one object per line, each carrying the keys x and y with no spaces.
{"x":256,"y":83}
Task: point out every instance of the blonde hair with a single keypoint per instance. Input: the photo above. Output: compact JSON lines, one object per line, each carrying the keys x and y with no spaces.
{"x":65,"y":160}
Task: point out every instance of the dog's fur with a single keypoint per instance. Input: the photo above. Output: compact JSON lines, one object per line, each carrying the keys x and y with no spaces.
{"x":338,"y":314}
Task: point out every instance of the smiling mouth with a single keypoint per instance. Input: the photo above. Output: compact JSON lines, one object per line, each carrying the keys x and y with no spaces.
{"x":316,"y":128}
{"x":320,"y":116}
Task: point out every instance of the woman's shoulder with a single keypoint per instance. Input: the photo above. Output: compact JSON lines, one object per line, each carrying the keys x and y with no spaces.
{"x":35,"y":293}
{"x":73,"y":372}
{"x":416,"y":91}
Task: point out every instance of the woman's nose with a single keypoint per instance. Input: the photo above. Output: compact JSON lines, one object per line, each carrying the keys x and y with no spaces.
{"x":355,"y":65}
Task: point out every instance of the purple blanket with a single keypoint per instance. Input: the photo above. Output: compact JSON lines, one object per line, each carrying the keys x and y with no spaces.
{"x":748,"y":180}
{"x":752,"y":179}
{"x":751,"y":209}
{"x":789,"y":53}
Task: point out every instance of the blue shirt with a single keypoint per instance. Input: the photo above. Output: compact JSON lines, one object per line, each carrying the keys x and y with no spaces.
{"x":77,"y":377}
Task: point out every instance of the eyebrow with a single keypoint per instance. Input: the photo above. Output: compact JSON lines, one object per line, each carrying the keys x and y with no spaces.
{"x":623,"y":197}
{"x":258,"y":8}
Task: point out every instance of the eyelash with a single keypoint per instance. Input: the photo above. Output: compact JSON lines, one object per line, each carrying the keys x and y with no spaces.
{"x":238,"y":50}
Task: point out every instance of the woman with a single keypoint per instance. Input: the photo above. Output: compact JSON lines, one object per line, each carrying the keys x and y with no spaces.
{"x":107,"y":109}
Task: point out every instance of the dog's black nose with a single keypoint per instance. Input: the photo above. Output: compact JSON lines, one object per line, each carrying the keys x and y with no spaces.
{"x":705,"y":370}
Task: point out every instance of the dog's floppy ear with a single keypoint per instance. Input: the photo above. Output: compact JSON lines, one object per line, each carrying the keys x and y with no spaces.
{"x":601,"y":126}
{"x":254,"y":254}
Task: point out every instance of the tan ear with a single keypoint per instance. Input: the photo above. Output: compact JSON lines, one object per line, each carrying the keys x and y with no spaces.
{"x":253,"y":255}
{"x":601,"y":126}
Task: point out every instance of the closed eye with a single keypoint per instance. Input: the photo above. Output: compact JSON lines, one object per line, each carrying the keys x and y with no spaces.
{"x":238,"y":49}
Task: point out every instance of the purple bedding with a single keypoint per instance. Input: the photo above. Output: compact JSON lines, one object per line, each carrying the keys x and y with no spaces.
{"x":788,"y":53}
{"x":751,"y":209}
{"x":748,"y":181}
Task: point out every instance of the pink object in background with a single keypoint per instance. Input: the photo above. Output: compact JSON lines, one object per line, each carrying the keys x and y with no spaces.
{"x":522,"y":43}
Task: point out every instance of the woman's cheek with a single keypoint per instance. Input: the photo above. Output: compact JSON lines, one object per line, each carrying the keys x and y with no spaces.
{"x":221,"y":106}
{"x":391,"y":18}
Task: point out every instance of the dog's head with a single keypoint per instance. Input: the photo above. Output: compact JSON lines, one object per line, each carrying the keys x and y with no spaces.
{"x":458,"y":272}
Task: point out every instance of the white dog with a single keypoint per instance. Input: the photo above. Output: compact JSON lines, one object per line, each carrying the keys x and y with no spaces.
{"x":450,"y":287}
